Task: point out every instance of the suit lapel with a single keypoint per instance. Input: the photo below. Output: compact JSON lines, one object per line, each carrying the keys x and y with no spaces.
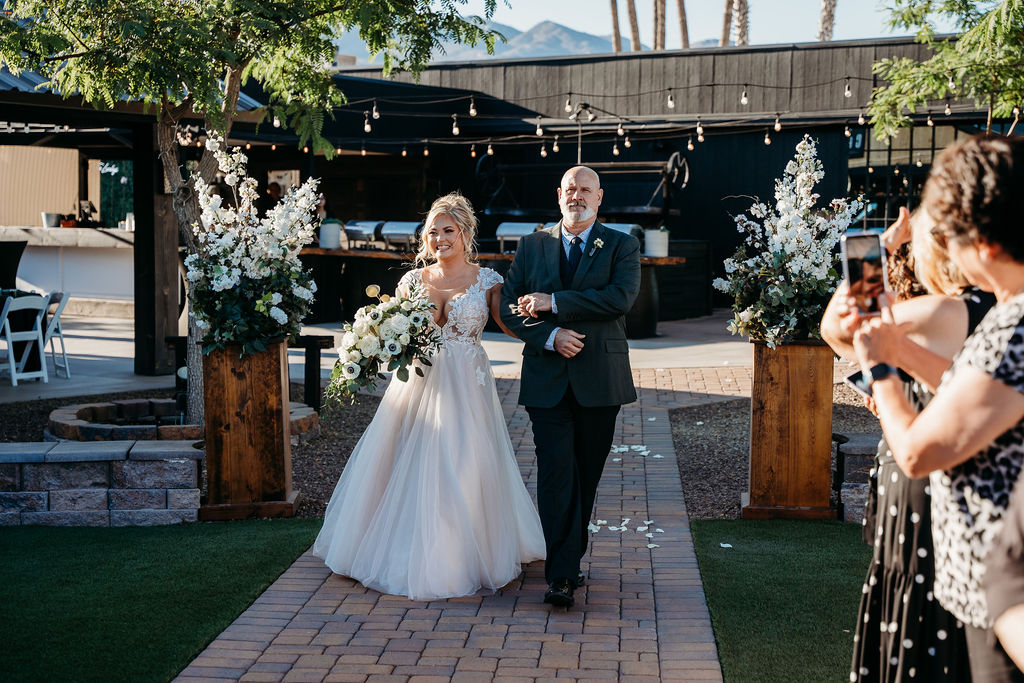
{"x":551,"y":257}
{"x":598,"y":231}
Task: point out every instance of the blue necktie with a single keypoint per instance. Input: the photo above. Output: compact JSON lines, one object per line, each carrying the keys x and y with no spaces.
{"x":575,"y":254}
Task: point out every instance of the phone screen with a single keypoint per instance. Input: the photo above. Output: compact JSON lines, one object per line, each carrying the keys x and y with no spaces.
{"x":865,"y":269}
{"x":858,"y":382}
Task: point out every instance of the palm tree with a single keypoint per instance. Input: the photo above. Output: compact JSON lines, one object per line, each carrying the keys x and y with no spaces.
{"x":634,"y":28}
{"x":827,"y":20}
{"x":616,"y":35}
{"x":726,"y":24}
{"x":683,"y":32}
{"x":741,"y":27}
{"x":659,"y":24}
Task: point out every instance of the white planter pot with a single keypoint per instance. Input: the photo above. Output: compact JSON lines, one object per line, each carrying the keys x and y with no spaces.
{"x":656,"y":242}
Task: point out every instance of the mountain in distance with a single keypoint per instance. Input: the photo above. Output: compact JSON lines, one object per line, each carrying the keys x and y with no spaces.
{"x":546,"y":39}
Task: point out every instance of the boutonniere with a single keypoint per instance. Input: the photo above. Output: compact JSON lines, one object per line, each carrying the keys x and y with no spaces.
{"x":598,"y":244}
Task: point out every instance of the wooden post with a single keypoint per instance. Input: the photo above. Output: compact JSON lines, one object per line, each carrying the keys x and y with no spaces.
{"x":248,"y":440}
{"x":790,"y":432}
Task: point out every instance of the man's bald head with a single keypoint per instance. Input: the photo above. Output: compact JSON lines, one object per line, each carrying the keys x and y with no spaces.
{"x":579,"y":197}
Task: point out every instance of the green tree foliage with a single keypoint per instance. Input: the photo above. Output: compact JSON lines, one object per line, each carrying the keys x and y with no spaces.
{"x":983,"y":63}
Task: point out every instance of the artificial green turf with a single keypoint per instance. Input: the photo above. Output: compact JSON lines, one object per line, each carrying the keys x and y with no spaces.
{"x":784,"y":597}
{"x":131,"y":604}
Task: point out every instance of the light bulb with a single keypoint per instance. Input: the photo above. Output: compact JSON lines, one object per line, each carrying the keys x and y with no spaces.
{"x":472,"y":151}
{"x":490,"y":150}
{"x":620,"y":131}
{"x":405,"y":152}
{"x":871,"y":169}
{"x":700,"y":128}
{"x":626,"y":143}
{"x":615,"y":149}
{"x":472,"y":107}
{"x":930,"y":122}
{"x":744,"y":100}
{"x":778,"y":124}
{"x":543,"y":150}
{"x":338,"y":150}
{"x":376,"y":112}
{"x":305,"y":150}
{"x":920,"y":163}
{"x":426,"y":150}
{"x":860,"y":119}
{"x":767,"y":138}
{"x":273,"y":148}
{"x":539,"y":131}
{"x":846,"y":91}
{"x":277,"y":122}
{"x":455,"y":124}
{"x":568,"y":105}
{"x":590,"y":116}
{"x":896,"y":171}
{"x":554,"y":145}
{"x":689,"y":144}
{"x":248,"y":145}
{"x":670,"y":102}
{"x":700,"y":137}
{"x":951,"y":84}
{"x":847,"y":132}
{"x":362,"y":152}
{"x":947,"y":111}
{"x":366,"y":122}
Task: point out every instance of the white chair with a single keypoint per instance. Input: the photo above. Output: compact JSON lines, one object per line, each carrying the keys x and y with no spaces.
{"x":53,"y":330}
{"x":17,"y":365}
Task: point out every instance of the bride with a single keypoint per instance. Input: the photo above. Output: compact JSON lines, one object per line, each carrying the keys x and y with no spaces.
{"x":431,"y":503}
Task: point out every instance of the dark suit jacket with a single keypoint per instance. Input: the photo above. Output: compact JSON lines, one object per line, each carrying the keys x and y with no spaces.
{"x":602,"y":292}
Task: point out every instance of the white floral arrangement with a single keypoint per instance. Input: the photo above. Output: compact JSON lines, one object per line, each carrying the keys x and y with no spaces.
{"x":246,"y":284}
{"x":393,"y":335}
{"x":782,"y":276}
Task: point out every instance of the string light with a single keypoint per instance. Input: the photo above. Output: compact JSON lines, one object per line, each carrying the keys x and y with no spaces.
{"x":767,"y":138}
{"x":860,"y":119}
{"x":362,"y":152}
{"x":744,"y":100}
{"x":376,"y":112}
{"x":543,"y":150}
{"x":273,"y":148}
{"x":930,"y":122}
{"x":472,"y":107}
{"x":539,"y":131}
{"x":700,"y":137}
{"x":568,"y":104}
{"x":951,"y":84}
{"x":305,"y":150}
{"x":670,"y":102}
{"x":700,"y":128}
{"x":847,"y":92}
{"x":426,"y":149}
{"x":615,"y":149}
{"x":920,"y":163}
{"x":455,"y":124}
{"x":490,"y":150}
{"x":338,"y":151}
{"x":896,"y":171}
{"x":248,"y":145}
{"x":626,"y":143}
{"x":366,"y":122}
{"x":871,"y":169}
{"x":778,"y":124}
{"x":405,"y":152}
{"x":947,"y":111}
{"x":847,"y":132}
{"x":689,"y":144}
{"x":554,"y":145}
{"x":472,"y":151}
{"x":590,"y":115}
{"x":277,"y":122}
{"x":620,"y":131}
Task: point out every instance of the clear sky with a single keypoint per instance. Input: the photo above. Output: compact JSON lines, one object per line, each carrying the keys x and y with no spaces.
{"x":771,"y":21}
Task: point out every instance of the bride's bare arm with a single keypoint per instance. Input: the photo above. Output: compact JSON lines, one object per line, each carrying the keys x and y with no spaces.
{"x":494,"y":303}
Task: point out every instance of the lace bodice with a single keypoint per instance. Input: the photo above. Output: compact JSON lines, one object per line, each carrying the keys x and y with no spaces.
{"x":468,"y":313}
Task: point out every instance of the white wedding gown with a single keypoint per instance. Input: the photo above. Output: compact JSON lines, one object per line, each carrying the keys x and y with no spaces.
{"x":431,"y":503}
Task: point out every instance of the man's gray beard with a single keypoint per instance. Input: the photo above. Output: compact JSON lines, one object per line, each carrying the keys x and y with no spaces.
{"x":574,"y":216}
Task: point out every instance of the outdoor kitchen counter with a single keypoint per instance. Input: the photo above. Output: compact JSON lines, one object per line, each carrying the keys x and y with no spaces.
{"x":343,"y":274}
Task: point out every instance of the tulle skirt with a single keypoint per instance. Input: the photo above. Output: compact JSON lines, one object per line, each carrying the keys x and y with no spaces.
{"x":431,"y":503}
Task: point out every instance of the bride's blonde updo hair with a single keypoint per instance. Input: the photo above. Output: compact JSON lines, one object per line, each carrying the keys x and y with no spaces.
{"x":458,"y":208}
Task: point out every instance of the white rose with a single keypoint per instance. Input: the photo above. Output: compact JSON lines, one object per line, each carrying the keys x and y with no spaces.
{"x":368,"y":345}
{"x":399,"y":323}
{"x":354,"y":356}
{"x":348,"y":340}
{"x":403,"y":339}
{"x":407,"y":305}
{"x":360,"y":327}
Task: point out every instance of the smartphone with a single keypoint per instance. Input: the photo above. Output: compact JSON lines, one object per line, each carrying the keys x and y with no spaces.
{"x":858,"y":382}
{"x":864,"y":269}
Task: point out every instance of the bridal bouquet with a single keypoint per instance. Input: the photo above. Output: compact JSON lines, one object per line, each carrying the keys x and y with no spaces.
{"x":784,"y":273}
{"x":389,"y":335}
{"x":246,"y":284}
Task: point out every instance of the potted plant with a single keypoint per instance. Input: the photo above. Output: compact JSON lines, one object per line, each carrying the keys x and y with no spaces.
{"x":249,"y":293}
{"x":781,"y":278}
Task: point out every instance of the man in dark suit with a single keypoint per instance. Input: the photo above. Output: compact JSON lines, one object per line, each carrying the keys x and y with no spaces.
{"x":566,"y":296}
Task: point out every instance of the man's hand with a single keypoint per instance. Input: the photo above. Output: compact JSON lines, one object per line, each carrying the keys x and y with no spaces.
{"x":568,"y":343}
{"x":534,"y":304}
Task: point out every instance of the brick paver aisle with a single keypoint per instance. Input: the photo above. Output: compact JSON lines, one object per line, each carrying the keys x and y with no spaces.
{"x":641,"y":617}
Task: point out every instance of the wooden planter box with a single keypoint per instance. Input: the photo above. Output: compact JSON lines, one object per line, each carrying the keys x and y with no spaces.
{"x":790,"y":432}
{"x":248,"y":444}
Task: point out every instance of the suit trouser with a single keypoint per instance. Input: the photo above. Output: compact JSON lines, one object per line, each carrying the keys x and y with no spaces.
{"x":572,"y":443}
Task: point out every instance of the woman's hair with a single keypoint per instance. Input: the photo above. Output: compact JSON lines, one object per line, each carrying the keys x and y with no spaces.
{"x":900,"y":269}
{"x":932,"y":265}
{"x":973,"y":191}
{"x":458,"y":208}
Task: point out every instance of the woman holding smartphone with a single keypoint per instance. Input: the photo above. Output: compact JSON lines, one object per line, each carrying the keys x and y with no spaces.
{"x":901,"y":632}
{"x":969,"y":440}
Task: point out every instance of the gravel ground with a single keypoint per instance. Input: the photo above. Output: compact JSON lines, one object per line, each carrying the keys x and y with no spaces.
{"x":712,"y":444}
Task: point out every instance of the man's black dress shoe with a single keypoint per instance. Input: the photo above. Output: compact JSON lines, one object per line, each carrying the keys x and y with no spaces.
{"x":559,"y":593}
{"x":581,"y":580}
